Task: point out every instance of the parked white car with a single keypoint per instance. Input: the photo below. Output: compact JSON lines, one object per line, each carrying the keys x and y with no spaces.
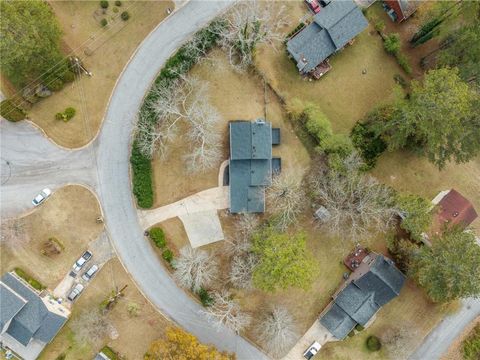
{"x":40,"y":198}
{"x":312,"y":350}
{"x":87,"y":255}
{"x":76,"y":291}
{"x":90,"y":273}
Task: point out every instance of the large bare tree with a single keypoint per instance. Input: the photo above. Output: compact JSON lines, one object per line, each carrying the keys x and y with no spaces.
{"x":184,"y":100}
{"x":91,"y":326}
{"x":226,"y":311}
{"x":241,"y":270}
{"x":357,"y":203}
{"x":195,"y":268}
{"x":277,"y":332}
{"x":286,"y":198}
{"x":249,"y":24}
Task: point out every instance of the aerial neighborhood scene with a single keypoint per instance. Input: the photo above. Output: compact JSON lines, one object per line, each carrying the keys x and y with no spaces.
{"x":250,"y":179}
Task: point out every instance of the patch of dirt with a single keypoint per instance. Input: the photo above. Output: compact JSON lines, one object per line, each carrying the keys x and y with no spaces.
{"x":105,"y":52}
{"x":69,"y":215}
{"x":135,"y":333}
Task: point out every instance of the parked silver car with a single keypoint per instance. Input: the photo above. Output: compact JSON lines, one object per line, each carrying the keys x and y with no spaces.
{"x":90,"y":273}
{"x":87,"y":255}
{"x":40,"y":198}
{"x":76,"y":291}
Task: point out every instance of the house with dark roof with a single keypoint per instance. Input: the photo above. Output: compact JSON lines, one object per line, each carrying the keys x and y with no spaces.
{"x":400,"y":10}
{"x":336,"y":25}
{"x":250,"y":165}
{"x":452,"y":209}
{"x":372,"y":285}
{"x":28,"y":321}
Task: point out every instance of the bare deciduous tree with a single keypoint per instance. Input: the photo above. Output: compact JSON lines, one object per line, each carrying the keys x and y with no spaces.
{"x":181,"y":100}
{"x":226,"y":311}
{"x":356,"y":202}
{"x":249,"y":24}
{"x":241,"y":270}
{"x":246,"y":224}
{"x":277,"y":331}
{"x":195,"y":268}
{"x":398,"y":341}
{"x":13,"y":233}
{"x":286,"y":198}
{"x":91,"y":326}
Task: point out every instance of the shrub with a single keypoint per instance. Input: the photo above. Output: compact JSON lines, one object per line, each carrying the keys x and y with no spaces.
{"x":107,"y":350}
{"x":68,"y":76}
{"x":55,"y":85}
{"x":158,"y":237}
{"x":373,"y":343}
{"x":125,"y":16}
{"x":167,"y":255}
{"x":317,"y":124}
{"x":205,"y":297}
{"x":103,"y":22}
{"x":104,"y":4}
{"x":141,"y":177}
{"x":359,"y":327}
{"x":62,"y":356}
{"x":392,"y":43}
{"x":59,"y":116}
{"x":404,"y":64}
{"x":69,"y":113}
{"x":369,"y":145}
{"x":11,"y":112}
{"x":33,"y":282}
{"x":118,"y":3}
{"x":380,"y":26}
{"x":115,"y":10}
{"x":399,"y":79}
{"x":471,"y":345}
{"x":337,"y":144}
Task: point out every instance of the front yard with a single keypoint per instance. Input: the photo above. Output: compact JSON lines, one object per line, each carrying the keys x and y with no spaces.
{"x":105,"y":51}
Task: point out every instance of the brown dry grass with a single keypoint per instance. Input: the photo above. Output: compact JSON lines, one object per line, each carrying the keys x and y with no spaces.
{"x":111,"y":51}
{"x":70,"y":216}
{"x":344,"y":94}
{"x":455,"y":350}
{"x":135,"y":333}
{"x":237,"y":97}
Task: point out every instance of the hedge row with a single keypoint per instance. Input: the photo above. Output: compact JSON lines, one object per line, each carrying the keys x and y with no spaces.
{"x":158,"y":237}
{"x":33,"y":282}
{"x":178,"y":64}
{"x":471,"y":345}
{"x":141,"y":177}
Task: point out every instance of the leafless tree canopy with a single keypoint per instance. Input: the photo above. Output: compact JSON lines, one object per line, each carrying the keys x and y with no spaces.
{"x":286,"y":198}
{"x":226,"y":311}
{"x":195,"y":268}
{"x":398,"y":341}
{"x":184,"y":100}
{"x":91,"y":326}
{"x":249,"y":24}
{"x":241,"y":270}
{"x":356,"y":202}
{"x":277,"y":331}
{"x":13,"y":233}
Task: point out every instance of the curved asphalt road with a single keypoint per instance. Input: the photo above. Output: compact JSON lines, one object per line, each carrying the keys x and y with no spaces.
{"x":114,"y":183}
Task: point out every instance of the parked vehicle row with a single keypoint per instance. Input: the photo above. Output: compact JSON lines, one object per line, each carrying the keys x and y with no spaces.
{"x":87,"y":275}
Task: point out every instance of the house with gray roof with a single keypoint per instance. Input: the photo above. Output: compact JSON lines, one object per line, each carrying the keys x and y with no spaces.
{"x":332,"y":28}
{"x":373,"y":284}
{"x":250,"y":166}
{"x":28,"y":321}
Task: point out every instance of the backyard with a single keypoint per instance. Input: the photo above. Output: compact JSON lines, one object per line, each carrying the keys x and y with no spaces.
{"x":104,"y":51}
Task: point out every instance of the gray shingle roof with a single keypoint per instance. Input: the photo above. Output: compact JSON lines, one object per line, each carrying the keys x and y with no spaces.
{"x":33,"y":320}
{"x":362,"y":298}
{"x":10,"y":304}
{"x":333,"y":27}
{"x":337,"y":322}
{"x":250,"y":167}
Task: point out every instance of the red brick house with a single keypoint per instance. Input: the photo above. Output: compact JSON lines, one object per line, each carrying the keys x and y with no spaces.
{"x":400,"y":10}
